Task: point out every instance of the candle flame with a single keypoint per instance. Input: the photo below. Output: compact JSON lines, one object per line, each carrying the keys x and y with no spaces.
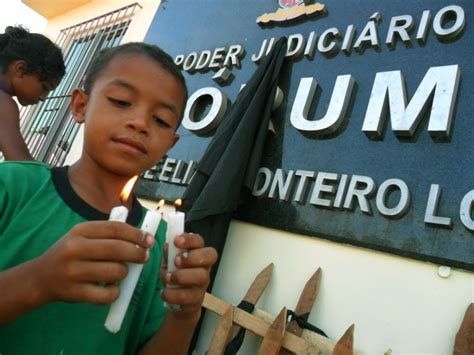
{"x":127,"y":189}
{"x":161,"y":203}
{"x":178,"y":203}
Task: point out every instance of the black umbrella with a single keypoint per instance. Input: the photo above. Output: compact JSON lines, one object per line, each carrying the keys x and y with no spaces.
{"x":226,"y":172}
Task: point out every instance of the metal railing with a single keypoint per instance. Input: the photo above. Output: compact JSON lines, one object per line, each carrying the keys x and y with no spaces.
{"x":48,"y":127}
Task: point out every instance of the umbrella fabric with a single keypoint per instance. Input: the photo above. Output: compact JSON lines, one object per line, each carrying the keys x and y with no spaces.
{"x":226,"y":172}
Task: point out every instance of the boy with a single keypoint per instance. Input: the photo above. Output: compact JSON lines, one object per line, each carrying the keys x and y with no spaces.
{"x":57,"y":249}
{"x":30,"y":67}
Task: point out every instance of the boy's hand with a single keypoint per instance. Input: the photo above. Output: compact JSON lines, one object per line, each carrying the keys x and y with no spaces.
{"x":84,"y":264}
{"x":192,"y":276}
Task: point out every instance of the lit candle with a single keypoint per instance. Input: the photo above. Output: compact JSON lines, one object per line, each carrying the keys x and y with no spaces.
{"x":120,"y":213}
{"x":175,"y":227}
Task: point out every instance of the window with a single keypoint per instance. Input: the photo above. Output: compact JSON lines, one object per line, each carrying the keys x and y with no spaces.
{"x":48,"y":127}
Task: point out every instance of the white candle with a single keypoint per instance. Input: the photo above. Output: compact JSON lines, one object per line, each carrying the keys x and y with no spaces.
{"x":175,"y":227}
{"x":119,"y":214}
{"x":119,"y":307}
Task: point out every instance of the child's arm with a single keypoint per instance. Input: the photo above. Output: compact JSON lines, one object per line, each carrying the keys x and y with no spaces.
{"x":192,"y":277}
{"x":12,"y":144}
{"x":73,"y":269}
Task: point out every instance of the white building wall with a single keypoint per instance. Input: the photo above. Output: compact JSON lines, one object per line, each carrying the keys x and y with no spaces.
{"x":394,"y":302}
{"x":136,"y":31}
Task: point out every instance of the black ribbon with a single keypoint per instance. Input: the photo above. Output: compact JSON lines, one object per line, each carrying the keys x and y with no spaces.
{"x":302,"y":321}
{"x":235,"y":344}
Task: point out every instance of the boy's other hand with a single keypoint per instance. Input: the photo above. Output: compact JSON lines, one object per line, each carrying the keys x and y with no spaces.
{"x":191,"y":278}
{"x":85,"y":264}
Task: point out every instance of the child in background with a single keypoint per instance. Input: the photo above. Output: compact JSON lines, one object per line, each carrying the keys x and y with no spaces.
{"x":30,"y":67}
{"x":57,"y":249}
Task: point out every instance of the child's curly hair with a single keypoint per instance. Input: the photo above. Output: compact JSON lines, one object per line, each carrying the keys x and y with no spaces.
{"x":41,"y":55}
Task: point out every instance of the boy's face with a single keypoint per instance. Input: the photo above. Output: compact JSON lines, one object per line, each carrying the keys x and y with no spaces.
{"x":131,"y":114}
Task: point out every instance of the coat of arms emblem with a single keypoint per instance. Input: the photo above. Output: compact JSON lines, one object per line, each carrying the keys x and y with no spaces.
{"x":290,"y":10}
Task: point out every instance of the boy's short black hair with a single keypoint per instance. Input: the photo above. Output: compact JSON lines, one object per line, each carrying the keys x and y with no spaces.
{"x":41,"y":55}
{"x":103,"y":58}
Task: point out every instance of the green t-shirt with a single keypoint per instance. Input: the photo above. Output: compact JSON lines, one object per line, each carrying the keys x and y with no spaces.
{"x":37,"y":207}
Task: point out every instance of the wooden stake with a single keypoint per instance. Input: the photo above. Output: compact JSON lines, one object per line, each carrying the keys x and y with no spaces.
{"x":345,"y":345}
{"x":254,"y":293}
{"x":304,"y":305}
{"x":273,"y":339}
{"x":306,"y":302}
{"x":222,"y":333}
{"x":464,"y":343}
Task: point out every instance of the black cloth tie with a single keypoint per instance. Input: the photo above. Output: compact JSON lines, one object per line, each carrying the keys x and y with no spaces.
{"x":235,"y":344}
{"x":302,"y":321}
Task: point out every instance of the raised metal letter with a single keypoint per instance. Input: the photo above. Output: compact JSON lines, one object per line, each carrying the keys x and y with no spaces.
{"x":266,"y":175}
{"x":360,"y":192}
{"x":390,"y":86}
{"x":328,"y":47}
{"x":283,"y":185}
{"x":401,"y":25}
{"x":213,"y":117}
{"x":385,"y":188}
{"x":336,"y":110}
{"x":295,"y":46}
{"x":320,"y":186}
{"x":302,"y":184}
{"x":465,"y":211}
{"x":432,"y":206}
{"x":452,"y":33}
